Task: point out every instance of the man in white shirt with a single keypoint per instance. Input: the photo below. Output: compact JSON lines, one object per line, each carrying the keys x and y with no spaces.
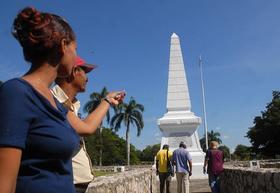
{"x":65,"y":92}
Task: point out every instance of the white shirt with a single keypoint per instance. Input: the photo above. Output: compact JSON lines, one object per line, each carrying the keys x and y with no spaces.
{"x":82,"y":166}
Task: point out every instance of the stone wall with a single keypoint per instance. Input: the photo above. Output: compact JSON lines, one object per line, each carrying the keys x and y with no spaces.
{"x":133,"y":181}
{"x":246,"y":180}
{"x":111,"y":168}
{"x":272,"y":163}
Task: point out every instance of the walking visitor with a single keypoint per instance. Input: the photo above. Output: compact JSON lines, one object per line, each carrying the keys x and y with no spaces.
{"x":182,"y":160}
{"x":162,"y":159}
{"x":214,"y":161}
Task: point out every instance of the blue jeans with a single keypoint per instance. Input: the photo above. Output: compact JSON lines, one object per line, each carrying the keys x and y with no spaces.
{"x":214,"y":183}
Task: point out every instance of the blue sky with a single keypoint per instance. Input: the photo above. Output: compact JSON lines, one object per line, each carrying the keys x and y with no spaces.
{"x":129,"y":41}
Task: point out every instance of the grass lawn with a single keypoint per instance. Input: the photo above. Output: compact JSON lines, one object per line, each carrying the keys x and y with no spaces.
{"x":102,"y":173}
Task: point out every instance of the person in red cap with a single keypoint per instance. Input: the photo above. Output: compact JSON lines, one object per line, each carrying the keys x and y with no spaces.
{"x":65,"y":92}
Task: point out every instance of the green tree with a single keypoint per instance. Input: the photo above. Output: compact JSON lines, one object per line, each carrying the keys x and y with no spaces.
{"x":134,"y":159}
{"x":139,"y":154}
{"x":128,"y":114}
{"x":113,"y":148}
{"x":225,"y":150}
{"x":90,"y":106}
{"x":242,"y":152}
{"x":265,"y":134}
{"x":95,"y":100}
{"x":212,"y":136}
{"x":150,"y":152}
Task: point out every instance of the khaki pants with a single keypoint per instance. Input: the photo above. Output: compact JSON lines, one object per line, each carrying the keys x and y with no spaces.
{"x":183,"y":185}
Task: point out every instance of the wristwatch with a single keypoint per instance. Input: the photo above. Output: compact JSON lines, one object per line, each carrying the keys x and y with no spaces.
{"x":107,"y":100}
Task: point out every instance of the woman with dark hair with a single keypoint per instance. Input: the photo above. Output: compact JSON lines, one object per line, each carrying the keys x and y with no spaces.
{"x":38,"y":135}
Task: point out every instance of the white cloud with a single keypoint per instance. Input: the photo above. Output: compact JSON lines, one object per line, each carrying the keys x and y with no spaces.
{"x":157,"y":136}
{"x":225,"y":137}
{"x":218,"y":128}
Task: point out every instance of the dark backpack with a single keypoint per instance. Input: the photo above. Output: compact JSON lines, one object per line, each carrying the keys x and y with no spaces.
{"x":216,"y":162}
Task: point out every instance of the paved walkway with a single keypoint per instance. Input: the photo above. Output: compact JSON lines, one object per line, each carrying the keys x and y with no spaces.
{"x":196,"y":186}
{"x":199,"y":186}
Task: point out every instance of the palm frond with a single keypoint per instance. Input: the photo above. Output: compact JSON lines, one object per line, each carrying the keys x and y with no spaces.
{"x":137,"y":114}
{"x":139,"y":125}
{"x":95,"y":96}
{"x":116,"y":121}
{"x":104,"y":92}
{"x":108,"y":117}
{"x":140,"y":107}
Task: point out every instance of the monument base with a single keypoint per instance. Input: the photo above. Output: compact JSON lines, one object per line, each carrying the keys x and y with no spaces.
{"x":187,"y":134}
{"x":197,"y":165}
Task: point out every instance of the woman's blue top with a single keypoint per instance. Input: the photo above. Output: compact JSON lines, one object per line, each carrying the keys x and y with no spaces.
{"x":29,"y":122}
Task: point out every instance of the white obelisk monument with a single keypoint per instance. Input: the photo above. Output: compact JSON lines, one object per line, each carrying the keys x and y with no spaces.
{"x":179,"y":123}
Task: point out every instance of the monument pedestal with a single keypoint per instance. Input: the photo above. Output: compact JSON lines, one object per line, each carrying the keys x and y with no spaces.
{"x":182,"y":126}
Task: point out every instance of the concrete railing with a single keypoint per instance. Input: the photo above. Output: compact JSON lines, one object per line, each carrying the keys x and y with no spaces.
{"x":133,"y":181}
{"x":246,"y":180}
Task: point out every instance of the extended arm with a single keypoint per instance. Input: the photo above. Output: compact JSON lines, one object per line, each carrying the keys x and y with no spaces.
{"x":157,"y":165}
{"x":93,"y":120}
{"x":9,"y":167}
{"x":190,"y":165}
{"x":205,"y":165}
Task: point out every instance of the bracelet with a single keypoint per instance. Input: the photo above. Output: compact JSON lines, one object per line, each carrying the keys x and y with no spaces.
{"x":107,"y":100}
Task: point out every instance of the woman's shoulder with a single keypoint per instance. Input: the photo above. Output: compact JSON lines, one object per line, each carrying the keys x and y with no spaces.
{"x":15,"y":87}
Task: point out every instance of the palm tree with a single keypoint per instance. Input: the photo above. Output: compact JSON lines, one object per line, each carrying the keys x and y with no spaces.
{"x":90,"y":106}
{"x":95,"y":100}
{"x":128,"y":114}
{"x":212,"y":136}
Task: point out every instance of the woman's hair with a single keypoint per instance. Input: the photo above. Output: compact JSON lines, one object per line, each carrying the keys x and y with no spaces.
{"x":40,"y":35}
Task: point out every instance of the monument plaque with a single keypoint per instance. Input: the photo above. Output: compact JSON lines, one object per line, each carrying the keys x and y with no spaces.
{"x":175,"y":138}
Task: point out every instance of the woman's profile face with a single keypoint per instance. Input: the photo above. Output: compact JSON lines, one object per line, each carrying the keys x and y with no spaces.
{"x":68,"y":60}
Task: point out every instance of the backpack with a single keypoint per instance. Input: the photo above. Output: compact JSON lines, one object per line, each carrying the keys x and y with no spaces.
{"x":215,"y":164}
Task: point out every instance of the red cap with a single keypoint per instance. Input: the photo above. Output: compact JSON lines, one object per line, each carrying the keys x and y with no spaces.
{"x":85,"y":66}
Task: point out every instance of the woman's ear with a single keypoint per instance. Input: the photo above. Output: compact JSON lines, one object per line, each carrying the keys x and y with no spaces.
{"x":63,"y":46}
